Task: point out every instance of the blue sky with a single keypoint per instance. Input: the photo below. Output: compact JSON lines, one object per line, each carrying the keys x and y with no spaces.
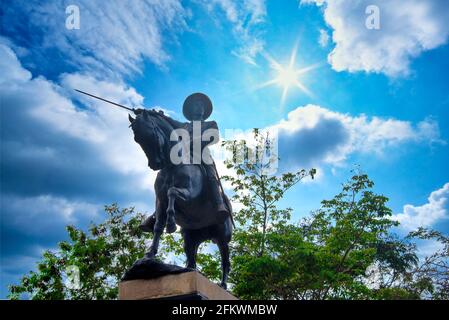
{"x":378,"y":99}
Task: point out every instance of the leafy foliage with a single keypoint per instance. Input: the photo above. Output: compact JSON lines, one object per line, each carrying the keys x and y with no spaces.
{"x":430,"y":277}
{"x":101,"y":256}
{"x":344,"y":250}
{"x":261,"y":224}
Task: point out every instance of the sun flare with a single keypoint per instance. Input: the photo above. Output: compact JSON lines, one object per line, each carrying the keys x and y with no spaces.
{"x":288,"y":76}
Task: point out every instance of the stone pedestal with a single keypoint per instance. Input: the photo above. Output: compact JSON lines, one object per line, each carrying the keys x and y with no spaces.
{"x":183,"y":286}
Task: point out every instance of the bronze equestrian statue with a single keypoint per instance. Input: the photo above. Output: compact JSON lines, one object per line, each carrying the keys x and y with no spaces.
{"x":188,"y":194}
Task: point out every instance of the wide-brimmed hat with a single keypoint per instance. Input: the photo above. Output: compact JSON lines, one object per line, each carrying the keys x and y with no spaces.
{"x":197,"y":98}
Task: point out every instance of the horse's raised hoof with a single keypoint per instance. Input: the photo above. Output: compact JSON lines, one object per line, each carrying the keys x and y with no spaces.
{"x":148,"y":224}
{"x":171,"y":227}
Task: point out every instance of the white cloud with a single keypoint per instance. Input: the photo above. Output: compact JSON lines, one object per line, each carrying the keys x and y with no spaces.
{"x":312,"y":135}
{"x":113,"y":39}
{"x":117,"y":146}
{"x":426,"y":215}
{"x":243,"y":14}
{"x":245,"y":17}
{"x":61,"y":163}
{"x":40,"y":214}
{"x":48,"y":117}
{"x":323,"y":40}
{"x":407,"y":28}
{"x":250,"y":50}
{"x":11,"y":68}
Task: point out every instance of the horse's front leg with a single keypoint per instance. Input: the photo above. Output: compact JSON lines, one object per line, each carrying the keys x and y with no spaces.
{"x":174,"y":194}
{"x":154,"y":245}
{"x":161,"y":218}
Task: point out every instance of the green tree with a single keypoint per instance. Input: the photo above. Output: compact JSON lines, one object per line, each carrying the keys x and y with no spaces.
{"x":429,"y":276}
{"x":347,"y":232}
{"x":263,"y":232}
{"x":258,"y":192}
{"x":101,"y":255}
{"x":344,"y":250}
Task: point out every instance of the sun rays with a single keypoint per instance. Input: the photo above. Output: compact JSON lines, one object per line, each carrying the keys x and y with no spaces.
{"x":288,"y":76}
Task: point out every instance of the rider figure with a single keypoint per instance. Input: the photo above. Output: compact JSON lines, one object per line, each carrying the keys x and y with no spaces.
{"x":197,"y":108}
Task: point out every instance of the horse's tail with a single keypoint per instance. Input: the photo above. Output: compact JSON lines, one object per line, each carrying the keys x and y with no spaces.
{"x":148,"y":224}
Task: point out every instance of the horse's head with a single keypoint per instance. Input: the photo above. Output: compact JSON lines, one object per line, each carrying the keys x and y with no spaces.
{"x":150,"y":134}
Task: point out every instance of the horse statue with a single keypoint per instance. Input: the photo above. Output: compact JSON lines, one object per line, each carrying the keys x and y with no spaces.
{"x":183,"y":191}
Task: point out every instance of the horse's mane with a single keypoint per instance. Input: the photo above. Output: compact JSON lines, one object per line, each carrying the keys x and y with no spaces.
{"x":160,"y":118}
{"x":163,"y":129}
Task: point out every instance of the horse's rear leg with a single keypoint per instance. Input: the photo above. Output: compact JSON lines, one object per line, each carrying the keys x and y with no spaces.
{"x":191,"y":244}
{"x":225,"y":263}
{"x":223,"y":236}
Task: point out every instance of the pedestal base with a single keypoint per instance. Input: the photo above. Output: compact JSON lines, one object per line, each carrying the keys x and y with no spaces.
{"x":184,"y":286}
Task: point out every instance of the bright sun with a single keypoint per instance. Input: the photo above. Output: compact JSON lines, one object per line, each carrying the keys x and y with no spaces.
{"x":287,"y":76}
